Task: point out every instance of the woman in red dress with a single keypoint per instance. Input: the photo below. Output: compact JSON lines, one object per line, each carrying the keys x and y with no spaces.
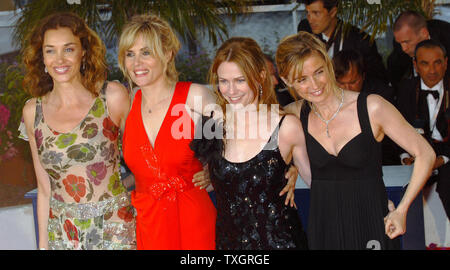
{"x":172,"y":213}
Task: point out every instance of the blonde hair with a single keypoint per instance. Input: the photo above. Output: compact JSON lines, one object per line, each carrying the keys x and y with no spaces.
{"x":247,"y":54}
{"x":160,"y":39}
{"x":292,"y":53}
{"x":94,"y":69}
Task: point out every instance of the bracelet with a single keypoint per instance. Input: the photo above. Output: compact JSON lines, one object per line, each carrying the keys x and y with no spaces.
{"x":446,"y":159}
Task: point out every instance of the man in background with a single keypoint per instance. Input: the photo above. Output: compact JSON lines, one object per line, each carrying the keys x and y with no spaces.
{"x":425,"y":103}
{"x":351,"y":75}
{"x":409,"y":29}
{"x":322,"y":20}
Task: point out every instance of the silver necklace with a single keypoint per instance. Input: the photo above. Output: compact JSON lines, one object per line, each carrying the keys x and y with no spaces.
{"x":333,"y":116}
{"x":158,"y":103}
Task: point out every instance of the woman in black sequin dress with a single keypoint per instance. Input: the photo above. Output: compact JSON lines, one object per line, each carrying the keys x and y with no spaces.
{"x":248,"y":166}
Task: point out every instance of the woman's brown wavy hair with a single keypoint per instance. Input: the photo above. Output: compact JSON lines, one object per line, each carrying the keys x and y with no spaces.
{"x":36,"y":81}
{"x":247,"y":54}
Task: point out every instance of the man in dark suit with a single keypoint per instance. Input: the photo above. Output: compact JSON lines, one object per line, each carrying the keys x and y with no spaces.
{"x":321,"y":19}
{"x":350,"y":74}
{"x":410,"y":28}
{"x":424,"y":102}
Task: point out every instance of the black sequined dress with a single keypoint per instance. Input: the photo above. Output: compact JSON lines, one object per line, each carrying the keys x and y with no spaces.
{"x":250,"y":213}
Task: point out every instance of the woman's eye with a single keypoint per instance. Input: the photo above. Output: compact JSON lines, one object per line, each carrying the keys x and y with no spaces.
{"x":129,"y":54}
{"x":68,"y":49}
{"x":146,"y":53}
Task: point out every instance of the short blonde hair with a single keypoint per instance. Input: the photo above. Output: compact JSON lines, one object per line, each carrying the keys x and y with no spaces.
{"x":160,"y":39}
{"x":292,"y":53}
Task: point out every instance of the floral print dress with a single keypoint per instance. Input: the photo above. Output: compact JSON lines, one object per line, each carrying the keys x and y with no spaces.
{"x":89,"y":206}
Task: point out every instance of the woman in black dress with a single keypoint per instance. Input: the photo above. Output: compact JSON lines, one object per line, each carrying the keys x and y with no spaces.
{"x":247,"y":166}
{"x":343,"y":133}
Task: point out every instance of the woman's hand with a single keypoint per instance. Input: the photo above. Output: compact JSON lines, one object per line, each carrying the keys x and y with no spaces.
{"x":201,"y":178}
{"x":395,"y":223}
{"x":291,"y":175}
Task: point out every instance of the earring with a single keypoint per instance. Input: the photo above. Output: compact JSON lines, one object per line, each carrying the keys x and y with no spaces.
{"x":83,"y":66}
{"x":45,"y":70}
{"x":260,"y":91}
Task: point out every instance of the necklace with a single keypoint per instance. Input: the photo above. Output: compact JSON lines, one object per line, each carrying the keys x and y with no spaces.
{"x":155,"y":105}
{"x":333,"y":116}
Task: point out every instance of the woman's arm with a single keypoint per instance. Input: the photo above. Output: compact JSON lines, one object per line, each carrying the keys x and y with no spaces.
{"x":118,"y":102}
{"x":201,"y":100}
{"x":386,"y":119}
{"x":43,"y":183}
{"x":293,"y":146}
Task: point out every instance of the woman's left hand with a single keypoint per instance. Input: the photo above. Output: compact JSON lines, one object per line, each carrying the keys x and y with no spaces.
{"x":201,"y":179}
{"x":291,"y":175}
{"x":395,"y":224}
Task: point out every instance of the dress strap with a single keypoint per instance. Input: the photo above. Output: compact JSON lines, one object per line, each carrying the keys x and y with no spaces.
{"x":38,"y":114}
{"x":272,"y":143}
{"x":363,"y":115}
{"x":181,"y":92}
{"x":304,"y":115}
{"x":103,"y":94}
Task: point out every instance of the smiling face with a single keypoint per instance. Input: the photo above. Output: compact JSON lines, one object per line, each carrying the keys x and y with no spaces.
{"x":313,"y":82}
{"x":233,"y":85}
{"x":62,"y":54}
{"x":143,"y":66}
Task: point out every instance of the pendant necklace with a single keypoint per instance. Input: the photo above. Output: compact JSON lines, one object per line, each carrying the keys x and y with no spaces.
{"x":157,"y":103}
{"x":333,"y":116}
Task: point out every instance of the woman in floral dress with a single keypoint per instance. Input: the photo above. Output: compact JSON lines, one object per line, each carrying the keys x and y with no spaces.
{"x":72,"y":124}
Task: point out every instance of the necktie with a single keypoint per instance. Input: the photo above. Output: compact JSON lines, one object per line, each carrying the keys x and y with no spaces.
{"x":435,"y":93}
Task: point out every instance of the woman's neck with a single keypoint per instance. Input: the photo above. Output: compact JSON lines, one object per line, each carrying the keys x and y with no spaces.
{"x":157,"y":91}
{"x":328,"y":106}
{"x":68,"y":93}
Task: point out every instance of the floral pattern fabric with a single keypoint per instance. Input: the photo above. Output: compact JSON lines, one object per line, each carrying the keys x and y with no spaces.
{"x":83,"y":169}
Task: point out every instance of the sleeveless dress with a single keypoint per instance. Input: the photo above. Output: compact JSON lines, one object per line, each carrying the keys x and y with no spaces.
{"x":250,"y":213}
{"x":89,"y":206}
{"x":348,"y":196}
{"x":171,"y":212}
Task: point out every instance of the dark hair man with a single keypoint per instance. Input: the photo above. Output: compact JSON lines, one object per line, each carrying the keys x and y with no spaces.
{"x":322,"y":20}
{"x":424,"y":102}
{"x":351,"y":74}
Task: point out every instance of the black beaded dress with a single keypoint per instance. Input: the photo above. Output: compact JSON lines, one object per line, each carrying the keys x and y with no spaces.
{"x":250,"y":213}
{"x":348,"y":197}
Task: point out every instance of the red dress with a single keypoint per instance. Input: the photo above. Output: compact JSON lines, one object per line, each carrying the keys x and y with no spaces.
{"x":171,"y":212}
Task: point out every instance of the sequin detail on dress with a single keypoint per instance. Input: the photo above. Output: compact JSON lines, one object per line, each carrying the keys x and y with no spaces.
{"x":250,"y":213}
